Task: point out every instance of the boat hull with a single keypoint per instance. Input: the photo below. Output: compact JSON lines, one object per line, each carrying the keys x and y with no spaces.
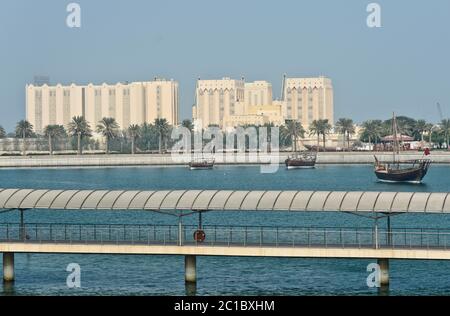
{"x":300,"y":167}
{"x":412,"y":175}
{"x":201,"y":168}
{"x":300,"y":164}
{"x":201,"y":165}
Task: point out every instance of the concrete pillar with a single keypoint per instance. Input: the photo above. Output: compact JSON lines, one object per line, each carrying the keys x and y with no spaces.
{"x":180,"y":231}
{"x":191,"y":289}
{"x":389,"y":231}
{"x":384,"y":271}
{"x":190,"y":269}
{"x":22,"y":226}
{"x":375,"y":232}
{"x":8,"y":266}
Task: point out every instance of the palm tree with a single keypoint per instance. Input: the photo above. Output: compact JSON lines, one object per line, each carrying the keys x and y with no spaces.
{"x":420,"y":127}
{"x":372,"y":130}
{"x":345,"y":127}
{"x":320,"y":127}
{"x":268,"y":127}
{"x":109,"y":128}
{"x":162,"y":127}
{"x":53,"y":132}
{"x":79,"y":128}
{"x":134,"y":131}
{"x":314,"y":130}
{"x":188,"y":124}
{"x":147,"y":136}
{"x":285,"y":138}
{"x":405,"y":125}
{"x":429,"y":128}
{"x":2,"y":132}
{"x":445,"y":131}
{"x":294,"y":130}
{"x":24,"y":130}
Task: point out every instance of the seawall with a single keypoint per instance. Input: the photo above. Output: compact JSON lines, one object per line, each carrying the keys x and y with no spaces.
{"x":167,"y":160}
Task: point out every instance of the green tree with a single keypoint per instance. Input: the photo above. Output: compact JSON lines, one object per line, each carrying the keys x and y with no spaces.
{"x":320,"y":127}
{"x":2,"y":132}
{"x":345,"y":127}
{"x":162,"y":128}
{"x":134,"y":131}
{"x":24,"y":130}
{"x":444,"y":130}
{"x":148,"y":137}
{"x":285,"y":139}
{"x":53,"y":132}
{"x":372,"y":131}
{"x":80,"y":129}
{"x":268,"y":127}
{"x":294,"y":130}
{"x":429,"y":129}
{"x":109,"y":129}
{"x":419,"y":129}
{"x":405,"y":126}
{"x":188,"y":124}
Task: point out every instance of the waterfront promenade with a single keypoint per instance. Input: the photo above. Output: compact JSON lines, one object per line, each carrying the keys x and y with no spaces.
{"x":236,"y":241}
{"x":236,"y":159}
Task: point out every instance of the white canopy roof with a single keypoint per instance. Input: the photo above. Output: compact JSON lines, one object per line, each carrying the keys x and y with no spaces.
{"x":225,"y":200}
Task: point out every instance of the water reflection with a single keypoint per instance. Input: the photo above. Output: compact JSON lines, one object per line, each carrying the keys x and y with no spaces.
{"x":8,"y":288}
{"x":383,"y":290}
{"x":191,"y":289}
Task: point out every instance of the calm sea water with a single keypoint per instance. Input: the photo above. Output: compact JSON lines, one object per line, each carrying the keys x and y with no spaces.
{"x":38,"y":274}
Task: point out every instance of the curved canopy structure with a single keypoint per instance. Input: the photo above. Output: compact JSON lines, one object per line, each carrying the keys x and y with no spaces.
{"x":218,"y":200}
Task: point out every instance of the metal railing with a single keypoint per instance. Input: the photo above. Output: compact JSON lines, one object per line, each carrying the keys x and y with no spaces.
{"x":260,"y":236}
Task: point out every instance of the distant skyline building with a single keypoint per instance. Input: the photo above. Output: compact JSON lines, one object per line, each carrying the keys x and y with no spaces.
{"x":216,"y":100}
{"x":258,"y":93}
{"x":128,"y":103}
{"x":308,"y":99}
{"x":230,"y":103}
{"x":256,"y":115}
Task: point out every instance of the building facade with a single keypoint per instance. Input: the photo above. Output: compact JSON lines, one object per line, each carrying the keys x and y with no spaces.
{"x":230,"y":103}
{"x":257,"y":115}
{"x":308,"y":99}
{"x":216,"y":100}
{"x":258,"y":93}
{"x":128,"y":103}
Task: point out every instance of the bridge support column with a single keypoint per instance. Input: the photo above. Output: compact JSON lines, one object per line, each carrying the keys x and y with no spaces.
{"x":384,"y":272}
{"x":8,"y":267}
{"x":180,"y":231}
{"x":22,"y":226}
{"x":190,"y":269}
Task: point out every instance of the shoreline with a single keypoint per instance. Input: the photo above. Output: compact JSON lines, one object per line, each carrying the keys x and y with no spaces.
{"x":166,"y":160}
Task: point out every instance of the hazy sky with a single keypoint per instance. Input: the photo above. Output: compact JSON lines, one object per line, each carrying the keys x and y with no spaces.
{"x":403,"y":66}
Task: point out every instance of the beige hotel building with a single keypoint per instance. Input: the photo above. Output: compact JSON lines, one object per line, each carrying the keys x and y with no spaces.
{"x":308,"y":99}
{"x":217,"y":100}
{"x":229,"y":103}
{"x":128,"y":103}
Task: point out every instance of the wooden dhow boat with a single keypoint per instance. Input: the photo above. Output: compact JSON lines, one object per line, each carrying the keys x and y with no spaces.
{"x":305,"y":160}
{"x":396,"y":171}
{"x":202,"y":164}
